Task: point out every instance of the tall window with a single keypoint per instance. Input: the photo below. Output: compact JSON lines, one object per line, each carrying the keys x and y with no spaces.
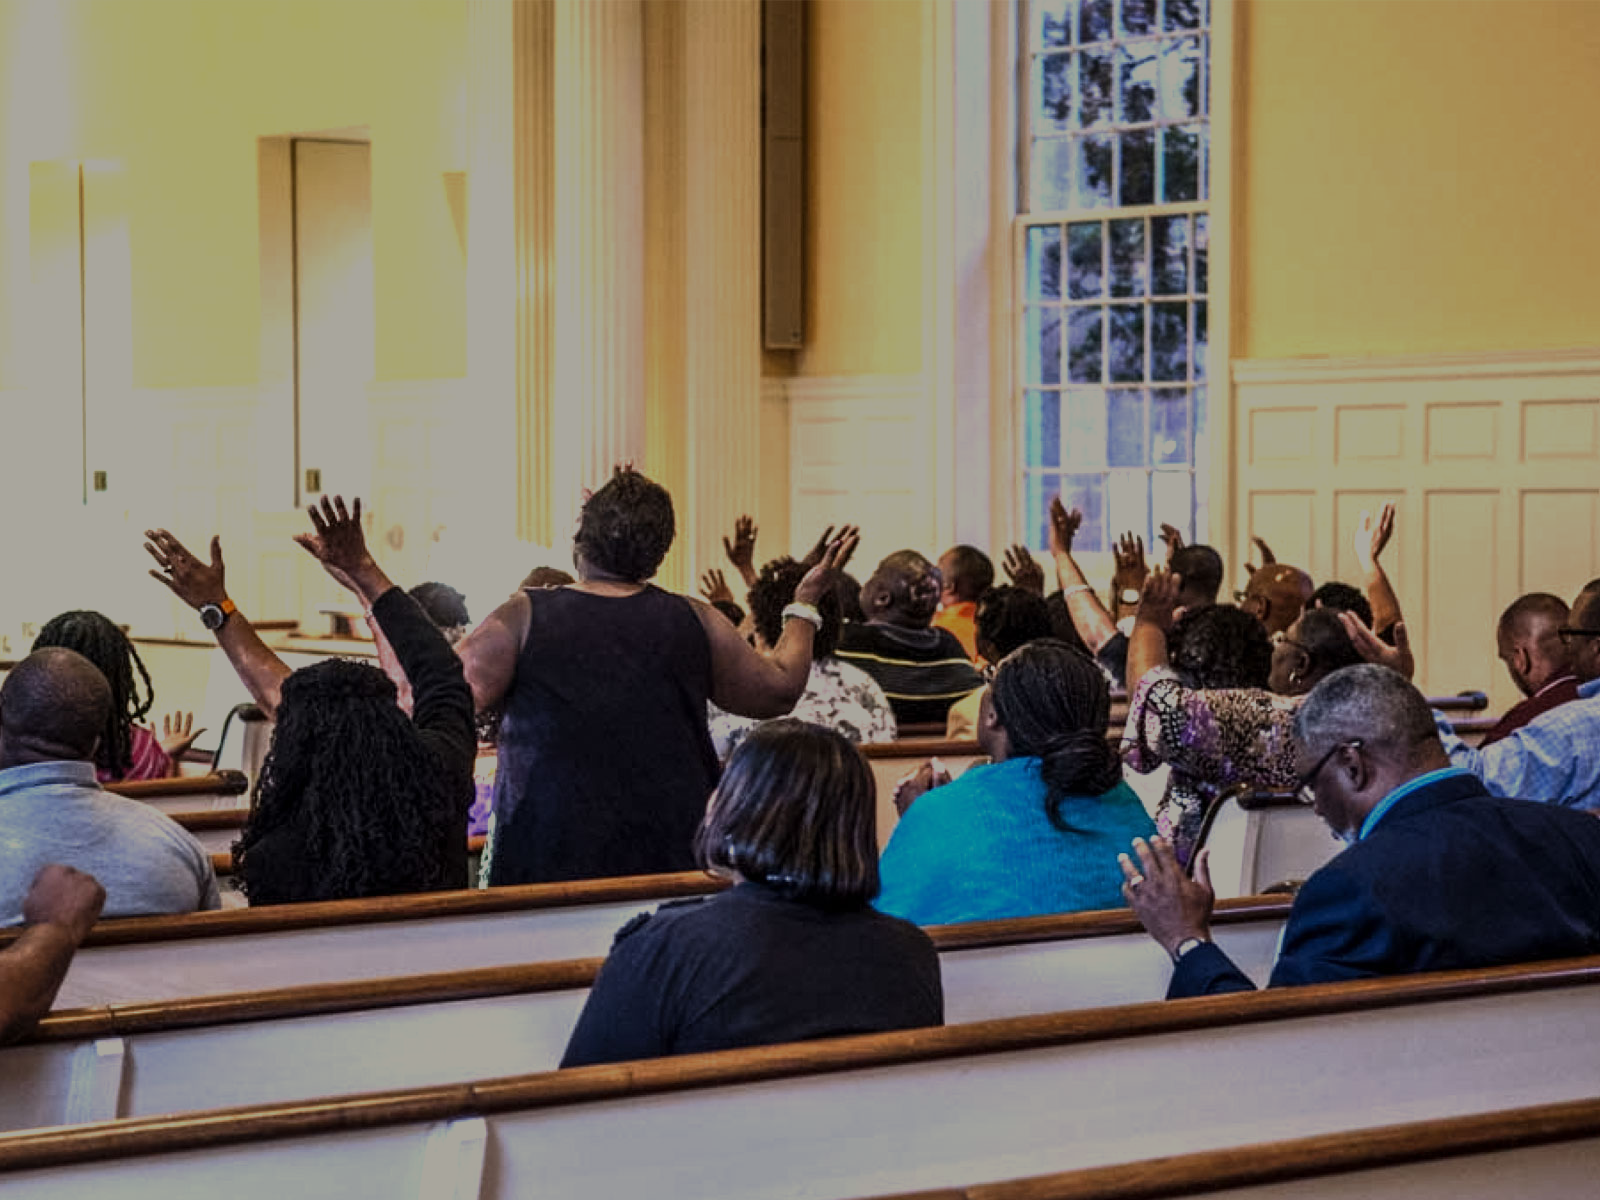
{"x":1112,"y":249}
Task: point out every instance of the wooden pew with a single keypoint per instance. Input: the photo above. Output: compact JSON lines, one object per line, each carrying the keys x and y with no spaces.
{"x":1542,"y":1152}
{"x":298,"y":1043}
{"x":160,"y":958}
{"x":227,"y":790}
{"x":889,"y":1112}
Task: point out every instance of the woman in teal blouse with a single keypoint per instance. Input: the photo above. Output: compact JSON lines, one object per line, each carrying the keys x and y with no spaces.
{"x":1036,"y":831}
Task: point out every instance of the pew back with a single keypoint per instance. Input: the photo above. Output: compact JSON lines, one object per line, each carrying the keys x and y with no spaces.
{"x":959,"y":1105}
{"x":299,"y":1043}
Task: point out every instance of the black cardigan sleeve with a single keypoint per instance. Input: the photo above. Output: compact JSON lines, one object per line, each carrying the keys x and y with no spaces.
{"x":441,"y":708}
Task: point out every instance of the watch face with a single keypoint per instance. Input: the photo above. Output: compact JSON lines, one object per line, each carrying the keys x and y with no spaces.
{"x":1130,"y":595}
{"x":211,"y":616}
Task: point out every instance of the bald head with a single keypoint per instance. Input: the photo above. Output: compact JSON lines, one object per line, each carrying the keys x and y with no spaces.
{"x":904,"y":591}
{"x":53,"y":706}
{"x":1276,"y":595}
{"x":1529,"y":643}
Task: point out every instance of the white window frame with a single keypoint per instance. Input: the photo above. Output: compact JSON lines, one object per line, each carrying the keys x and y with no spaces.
{"x":1215,"y":516}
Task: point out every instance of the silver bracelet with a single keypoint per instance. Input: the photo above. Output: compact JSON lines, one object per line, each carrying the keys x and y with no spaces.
{"x":803,"y":612}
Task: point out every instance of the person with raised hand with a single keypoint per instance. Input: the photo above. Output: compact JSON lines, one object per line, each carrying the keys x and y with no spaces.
{"x":355,"y":798}
{"x":605,"y":756}
{"x":59,"y":910}
{"x":1438,"y":874}
{"x":1214,"y":699}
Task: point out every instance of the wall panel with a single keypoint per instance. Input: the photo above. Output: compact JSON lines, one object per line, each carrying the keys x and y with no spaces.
{"x":1492,"y":460}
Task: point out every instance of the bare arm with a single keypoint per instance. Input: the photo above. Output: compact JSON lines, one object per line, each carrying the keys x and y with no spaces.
{"x":1147,"y":644}
{"x":489,"y":653}
{"x":1371,"y":538}
{"x":1089,"y":616}
{"x":750,"y":684}
{"x":198,"y":584}
{"x":60,"y":908}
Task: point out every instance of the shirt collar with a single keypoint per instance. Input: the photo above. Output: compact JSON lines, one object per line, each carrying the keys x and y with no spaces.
{"x":1401,"y":792}
{"x":1590,"y":689}
{"x":15,"y":779}
{"x":1553,"y":684}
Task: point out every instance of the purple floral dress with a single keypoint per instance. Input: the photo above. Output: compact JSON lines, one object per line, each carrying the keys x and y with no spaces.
{"x":1212,"y":740}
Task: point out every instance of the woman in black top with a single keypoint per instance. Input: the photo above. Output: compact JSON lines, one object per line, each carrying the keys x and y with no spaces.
{"x":794,"y":949}
{"x":605,"y":762}
{"x":355,"y":798}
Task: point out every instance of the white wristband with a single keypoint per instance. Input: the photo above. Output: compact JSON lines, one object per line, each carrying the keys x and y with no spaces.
{"x":803,"y":612}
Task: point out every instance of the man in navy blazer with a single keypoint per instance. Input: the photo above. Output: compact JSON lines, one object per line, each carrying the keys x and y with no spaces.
{"x":1438,"y":873}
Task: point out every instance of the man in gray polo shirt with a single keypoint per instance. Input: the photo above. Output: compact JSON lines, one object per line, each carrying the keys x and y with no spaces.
{"x":52,"y":708}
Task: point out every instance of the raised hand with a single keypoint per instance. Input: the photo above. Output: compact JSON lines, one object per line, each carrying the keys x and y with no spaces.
{"x":741,"y":551}
{"x":338,"y":542}
{"x":1130,"y":571}
{"x":1064,"y":524}
{"x":1158,"y":602}
{"x":1023,"y":570}
{"x":178,"y":733}
{"x":1374,"y":649}
{"x":190,"y":580}
{"x":824,"y":576}
{"x":1173,"y":537}
{"x":1170,"y":905}
{"x":814,"y":555}
{"x":715,"y":588}
{"x":1268,"y":558}
{"x":1372,"y":536}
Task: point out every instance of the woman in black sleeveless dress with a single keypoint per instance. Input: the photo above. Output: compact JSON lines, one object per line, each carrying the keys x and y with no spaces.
{"x":605,"y":761}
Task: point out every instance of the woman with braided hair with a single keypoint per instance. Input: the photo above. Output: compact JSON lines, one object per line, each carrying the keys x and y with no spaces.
{"x":355,"y":798}
{"x":1036,"y":830}
{"x":127,"y":749}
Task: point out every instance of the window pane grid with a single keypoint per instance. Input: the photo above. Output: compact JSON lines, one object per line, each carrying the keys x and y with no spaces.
{"x":1114,"y":272}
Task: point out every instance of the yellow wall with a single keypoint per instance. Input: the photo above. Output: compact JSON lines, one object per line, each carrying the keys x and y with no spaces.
{"x":863,"y":188}
{"x":178,"y":91}
{"x":1418,"y":176}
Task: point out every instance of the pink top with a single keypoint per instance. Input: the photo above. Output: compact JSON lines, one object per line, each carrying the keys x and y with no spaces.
{"x":149,"y":760}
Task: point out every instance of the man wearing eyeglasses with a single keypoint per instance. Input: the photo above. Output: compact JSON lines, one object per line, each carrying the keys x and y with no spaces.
{"x":1437,"y":874}
{"x":1554,"y":758}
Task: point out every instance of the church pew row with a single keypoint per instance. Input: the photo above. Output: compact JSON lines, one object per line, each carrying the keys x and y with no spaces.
{"x":151,"y":959}
{"x":886,"y":1113}
{"x":300,"y":1043}
{"x":225,"y":790}
{"x":1542,"y":1152}
{"x":138,"y":959}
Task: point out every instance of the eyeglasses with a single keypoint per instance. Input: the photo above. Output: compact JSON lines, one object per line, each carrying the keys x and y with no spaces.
{"x":1566,"y":633}
{"x":1306,"y":789}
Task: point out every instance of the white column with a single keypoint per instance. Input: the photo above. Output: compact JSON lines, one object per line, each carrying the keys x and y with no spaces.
{"x":597,"y":414}
{"x":722,"y":272}
{"x":509,"y":328}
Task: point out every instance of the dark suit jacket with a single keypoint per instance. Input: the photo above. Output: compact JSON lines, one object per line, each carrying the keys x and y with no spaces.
{"x":1449,"y":877}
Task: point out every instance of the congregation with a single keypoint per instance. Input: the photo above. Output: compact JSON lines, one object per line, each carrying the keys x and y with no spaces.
{"x":642,"y":732}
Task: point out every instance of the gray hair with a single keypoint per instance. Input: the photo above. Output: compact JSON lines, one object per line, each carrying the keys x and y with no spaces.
{"x":1371,"y":703}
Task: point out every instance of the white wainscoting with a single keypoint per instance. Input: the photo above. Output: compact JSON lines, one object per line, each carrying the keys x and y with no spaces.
{"x":862,"y":451}
{"x":1493,"y":461}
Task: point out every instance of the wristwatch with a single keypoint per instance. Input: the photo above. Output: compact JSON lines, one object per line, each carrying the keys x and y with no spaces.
{"x":1130,"y":595}
{"x":1183,"y":947}
{"x":213,"y":616}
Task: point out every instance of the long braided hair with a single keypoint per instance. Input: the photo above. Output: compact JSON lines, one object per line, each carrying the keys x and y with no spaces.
{"x":348,"y":770}
{"x":94,"y":636}
{"x":1054,"y":705}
